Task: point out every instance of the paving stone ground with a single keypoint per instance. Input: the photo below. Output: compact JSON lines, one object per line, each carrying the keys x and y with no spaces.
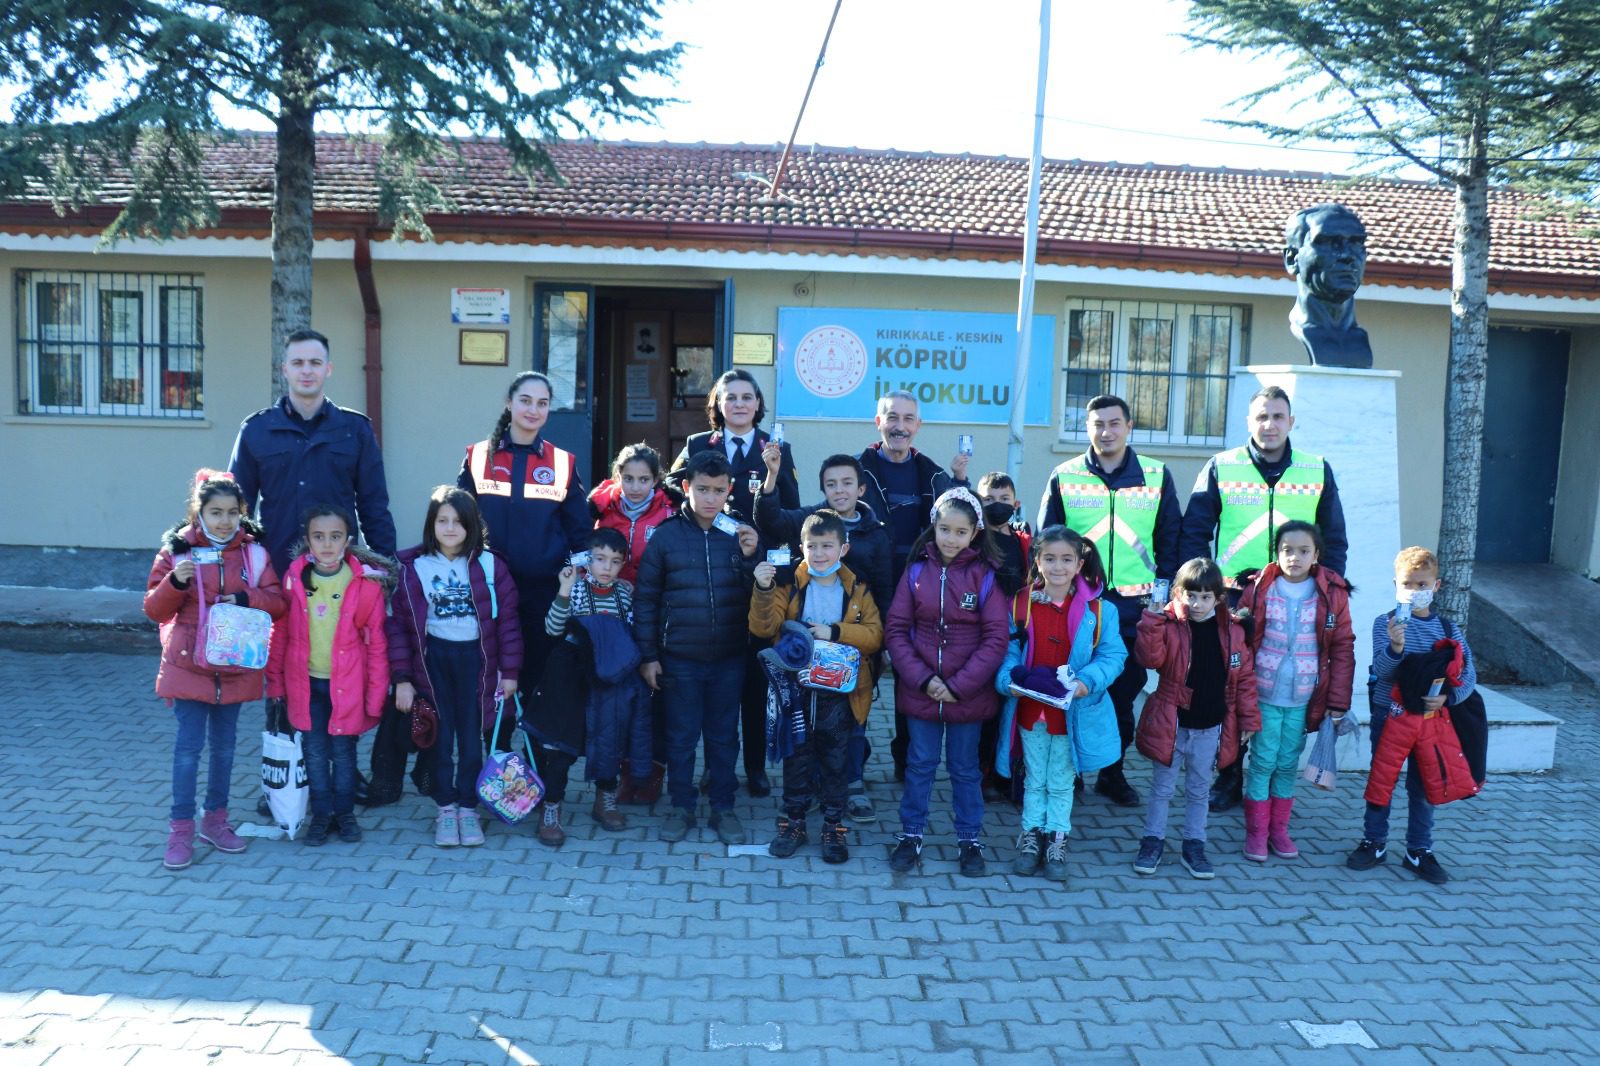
{"x":621,"y":949}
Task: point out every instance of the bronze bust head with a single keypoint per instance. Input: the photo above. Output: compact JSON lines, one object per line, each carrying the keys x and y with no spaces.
{"x":1325,"y":248}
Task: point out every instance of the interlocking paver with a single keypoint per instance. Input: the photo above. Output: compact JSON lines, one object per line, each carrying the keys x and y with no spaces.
{"x":619,"y":949}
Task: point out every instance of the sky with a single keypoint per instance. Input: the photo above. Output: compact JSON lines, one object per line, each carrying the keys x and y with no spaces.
{"x":942,"y":76}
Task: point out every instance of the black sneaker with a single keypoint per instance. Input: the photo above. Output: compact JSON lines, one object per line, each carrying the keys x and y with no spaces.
{"x":1195,"y":861}
{"x":317,"y":830}
{"x":1424,"y":865}
{"x":1027,"y":861}
{"x":349,"y":829}
{"x":1367,"y":855}
{"x":972,"y":864}
{"x":791,"y":834}
{"x":1150,"y":851}
{"x":907,"y":854}
{"x":834,"y":849}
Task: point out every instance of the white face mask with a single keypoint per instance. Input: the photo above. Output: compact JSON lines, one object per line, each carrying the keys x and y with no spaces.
{"x":1420,"y":599}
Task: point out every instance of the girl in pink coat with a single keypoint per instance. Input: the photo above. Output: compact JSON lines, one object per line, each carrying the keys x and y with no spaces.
{"x":330,"y":662}
{"x":214,"y":552}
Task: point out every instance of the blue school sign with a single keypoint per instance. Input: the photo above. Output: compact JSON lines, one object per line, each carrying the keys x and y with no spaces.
{"x":834,"y":363}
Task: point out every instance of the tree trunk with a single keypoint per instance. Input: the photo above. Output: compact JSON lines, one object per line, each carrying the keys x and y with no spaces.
{"x":294,"y":183}
{"x":1469,"y":361}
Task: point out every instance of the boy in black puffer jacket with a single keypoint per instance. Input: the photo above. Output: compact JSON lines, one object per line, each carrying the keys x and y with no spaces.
{"x":691,"y":609}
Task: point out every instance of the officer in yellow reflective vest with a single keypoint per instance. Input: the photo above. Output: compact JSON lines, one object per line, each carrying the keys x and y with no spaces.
{"x":1241,"y":498}
{"x":1127,"y":505}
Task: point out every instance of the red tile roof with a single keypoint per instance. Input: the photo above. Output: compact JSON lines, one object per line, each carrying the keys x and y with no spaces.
{"x":890,"y":202}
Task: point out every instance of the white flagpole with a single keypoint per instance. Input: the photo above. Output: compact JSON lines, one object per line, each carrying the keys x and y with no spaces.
{"x":1030,"y":244}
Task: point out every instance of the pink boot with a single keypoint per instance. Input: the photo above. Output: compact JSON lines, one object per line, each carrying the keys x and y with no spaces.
{"x":1255,"y":830}
{"x":180,"y":844}
{"x":1278,"y":830}
{"x":215,"y":830}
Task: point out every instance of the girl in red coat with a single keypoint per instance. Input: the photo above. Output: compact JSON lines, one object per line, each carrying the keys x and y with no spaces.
{"x":213,"y":550}
{"x":1204,"y":702}
{"x":946,"y":633}
{"x":633,"y":502}
{"x":330,"y":662}
{"x":1305,"y":653}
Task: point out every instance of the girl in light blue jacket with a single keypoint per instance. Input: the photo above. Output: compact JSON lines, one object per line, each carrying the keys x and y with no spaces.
{"x":1058,"y":649}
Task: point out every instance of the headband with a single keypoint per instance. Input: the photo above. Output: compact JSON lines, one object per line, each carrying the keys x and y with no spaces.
{"x":204,"y":475}
{"x":957,"y":493}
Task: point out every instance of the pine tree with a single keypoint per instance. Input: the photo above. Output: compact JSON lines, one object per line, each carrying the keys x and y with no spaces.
{"x":133,"y":88}
{"x":1472,"y":91}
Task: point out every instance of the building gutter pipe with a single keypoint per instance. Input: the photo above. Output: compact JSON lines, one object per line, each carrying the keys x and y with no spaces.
{"x":373,"y":314}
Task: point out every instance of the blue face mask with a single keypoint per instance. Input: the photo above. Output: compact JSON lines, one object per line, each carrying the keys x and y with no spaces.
{"x":829,"y":572}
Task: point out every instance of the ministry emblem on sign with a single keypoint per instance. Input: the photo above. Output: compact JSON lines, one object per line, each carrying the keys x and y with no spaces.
{"x":830,"y":361}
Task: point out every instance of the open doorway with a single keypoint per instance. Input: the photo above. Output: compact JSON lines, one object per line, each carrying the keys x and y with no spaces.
{"x":629,"y":363}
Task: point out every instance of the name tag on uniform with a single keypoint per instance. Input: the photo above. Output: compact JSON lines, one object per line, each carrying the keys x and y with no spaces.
{"x":754,"y":484}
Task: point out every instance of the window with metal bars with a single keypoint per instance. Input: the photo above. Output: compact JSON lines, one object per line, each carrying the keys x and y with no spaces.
{"x":1171,"y":362}
{"x":110,"y":344}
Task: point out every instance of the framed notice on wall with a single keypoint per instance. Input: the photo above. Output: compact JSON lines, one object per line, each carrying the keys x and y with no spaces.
{"x":484,"y":347}
{"x":752,"y":349}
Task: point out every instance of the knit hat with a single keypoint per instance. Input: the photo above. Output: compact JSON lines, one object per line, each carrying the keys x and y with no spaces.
{"x":793,"y":645}
{"x":1038,"y":679}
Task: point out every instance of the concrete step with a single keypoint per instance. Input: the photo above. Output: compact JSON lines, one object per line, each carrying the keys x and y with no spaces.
{"x":51,"y":619}
{"x":1536,"y":621}
{"x":1522,"y":739}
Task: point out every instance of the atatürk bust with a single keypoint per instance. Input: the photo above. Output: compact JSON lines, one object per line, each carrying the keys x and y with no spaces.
{"x":1325,"y":248}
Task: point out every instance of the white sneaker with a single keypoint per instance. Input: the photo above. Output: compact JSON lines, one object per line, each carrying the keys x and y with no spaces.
{"x":471,"y":831}
{"x":447,"y":829}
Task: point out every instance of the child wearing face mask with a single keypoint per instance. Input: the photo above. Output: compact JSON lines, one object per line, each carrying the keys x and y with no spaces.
{"x":1204,"y":701}
{"x":1412,"y":630}
{"x":1297,"y":614}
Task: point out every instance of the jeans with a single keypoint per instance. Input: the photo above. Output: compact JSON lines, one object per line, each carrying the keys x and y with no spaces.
{"x":195,"y":720}
{"x":454,"y":669}
{"x":961,"y":761}
{"x":1275,"y":753}
{"x":1196,"y":752}
{"x":1419,"y":814}
{"x":330,"y":760}
{"x":702,"y":704}
{"x":822,"y":758}
{"x":1047,"y":785}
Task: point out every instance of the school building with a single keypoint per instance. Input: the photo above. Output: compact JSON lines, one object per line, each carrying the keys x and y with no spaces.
{"x":653,"y":267}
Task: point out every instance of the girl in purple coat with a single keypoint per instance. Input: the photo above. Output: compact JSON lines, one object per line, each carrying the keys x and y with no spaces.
{"x":946,"y":635}
{"x":455,"y":640}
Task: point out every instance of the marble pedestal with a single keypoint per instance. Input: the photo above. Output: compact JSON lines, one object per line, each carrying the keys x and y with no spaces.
{"x":1348,"y":417}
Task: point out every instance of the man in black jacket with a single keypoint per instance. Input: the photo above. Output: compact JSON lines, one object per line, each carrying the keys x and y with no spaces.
{"x":305,"y":450}
{"x":1128,"y":506}
{"x":870,"y":559}
{"x":900,"y":486}
{"x":691,"y":619}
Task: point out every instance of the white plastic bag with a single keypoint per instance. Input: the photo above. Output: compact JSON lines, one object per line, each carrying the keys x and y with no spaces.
{"x":283,"y":779}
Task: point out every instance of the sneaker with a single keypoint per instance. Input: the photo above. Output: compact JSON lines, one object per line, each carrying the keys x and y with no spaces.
{"x":1424,"y":865}
{"x":860,"y":808}
{"x":834,"y":849}
{"x":349,"y":828}
{"x":907,"y":854}
{"x":676,"y":825}
{"x":215,"y":830}
{"x":550,"y":833}
{"x":1027,"y":861}
{"x":470,"y":828}
{"x":729,"y":829}
{"x":1055,"y":858}
{"x":1195,"y":861}
{"x":447,"y":828}
{"x":180,"y":844}
{"x":1150,"y":851}
{"x":317,"y":830}
{"x":972,"y":864}
{"x":1367,"y":855}
{"x":605,"y":811}
{"x":791,"y":834}
{"x":758,"y":785}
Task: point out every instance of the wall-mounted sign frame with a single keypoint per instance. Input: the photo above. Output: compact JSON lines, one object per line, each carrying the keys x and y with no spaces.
{"x":752,"y":349}
{"x":484,"y":347}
